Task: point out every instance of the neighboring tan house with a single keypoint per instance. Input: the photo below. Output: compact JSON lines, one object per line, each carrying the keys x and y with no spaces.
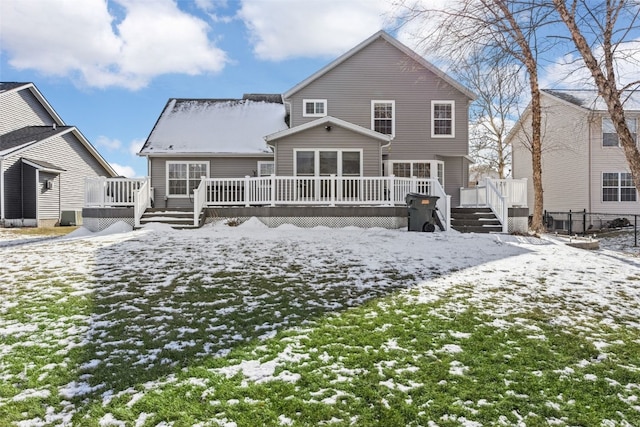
{"x":379,"y":109}
{"x":43,"y":162}
{"x":583,"y":165}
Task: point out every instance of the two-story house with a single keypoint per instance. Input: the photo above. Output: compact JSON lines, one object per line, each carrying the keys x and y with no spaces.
{"x":43,"y":162}
{"x":377,"y":111}
{"x":583,"y":165}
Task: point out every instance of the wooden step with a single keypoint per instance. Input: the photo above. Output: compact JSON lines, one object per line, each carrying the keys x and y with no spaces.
{"x":475,"y":220}
{"x":176,"y":218}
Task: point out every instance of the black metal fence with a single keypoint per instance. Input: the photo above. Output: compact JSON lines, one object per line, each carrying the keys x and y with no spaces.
{"x":584,"y":223}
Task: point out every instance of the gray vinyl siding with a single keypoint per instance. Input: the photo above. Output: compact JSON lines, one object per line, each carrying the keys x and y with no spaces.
{"x":29,"y":202}
{"x":48,"y":199}
{"x":381,"y":72}
{"x":13,"y":188}
{"x":20,"y":109}
{"x":573,"y":160}
{"x":565,"y":157}
{"x":456,"y":175}
{"x":337,"y":138}
{"x":64,"y":151}
{"x":219,"y":167}
{"x":609,"y":159}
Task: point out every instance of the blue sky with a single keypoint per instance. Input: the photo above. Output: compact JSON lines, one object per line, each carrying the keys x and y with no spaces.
{"x":109,"y":67}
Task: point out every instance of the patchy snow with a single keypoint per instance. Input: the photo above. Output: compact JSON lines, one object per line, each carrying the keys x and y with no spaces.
{"x":501,"y":275}
{"x":215,"y":126}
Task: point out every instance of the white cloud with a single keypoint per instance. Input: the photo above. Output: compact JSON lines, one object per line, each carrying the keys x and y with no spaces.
{"x":126,"y":171}
{"x":282,"y":29}
{"x":569,"y":71}
{"x":108,"y":143}
{"x":83,"y":40}
{"x":135,"y":146}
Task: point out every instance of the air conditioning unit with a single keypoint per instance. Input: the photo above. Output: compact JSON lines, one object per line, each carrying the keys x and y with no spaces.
{"x":70,"y":218}
{"x":49,"y":184}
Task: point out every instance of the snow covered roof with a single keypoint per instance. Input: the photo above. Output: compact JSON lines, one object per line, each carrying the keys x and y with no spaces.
{"x":590,"y":100}
{"x":216,"y":126}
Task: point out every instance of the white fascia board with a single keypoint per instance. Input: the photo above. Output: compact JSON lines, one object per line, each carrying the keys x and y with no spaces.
{"x":43,"y":169}
{"x":329,"y":120}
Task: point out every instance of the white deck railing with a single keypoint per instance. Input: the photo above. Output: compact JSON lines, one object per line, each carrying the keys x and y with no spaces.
{"x":103,"y":192}
{"x":514,"y":189}
{"x":141,"y":200}
{"x":272,"y":191}
{"x":330,"y":191}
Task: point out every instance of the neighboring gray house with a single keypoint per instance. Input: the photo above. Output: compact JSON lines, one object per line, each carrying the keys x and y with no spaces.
{"x":583,"y":166}
{"x":43,"y":162}
{"x":379,"y":109}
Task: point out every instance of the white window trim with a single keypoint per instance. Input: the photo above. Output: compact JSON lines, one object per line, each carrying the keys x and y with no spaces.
{"x":316,"y":159}
{"x":453,"y":118}
{"x":264,"y":162}
{"x":393,"y":113}
{"x":304,"y":107}
{"x":181,"y":196}
{"x":433,"y":168}
{"x":619,"y":188}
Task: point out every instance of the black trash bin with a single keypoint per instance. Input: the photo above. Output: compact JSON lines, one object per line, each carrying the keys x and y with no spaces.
{"x":421,"y":212}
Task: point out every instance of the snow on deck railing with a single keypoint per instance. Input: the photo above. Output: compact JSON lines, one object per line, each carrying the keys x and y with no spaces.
{"x":111,"y":192}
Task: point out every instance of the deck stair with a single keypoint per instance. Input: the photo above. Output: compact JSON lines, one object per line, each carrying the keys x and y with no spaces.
{"x":178,"y":218}
{"x":475,"y":220}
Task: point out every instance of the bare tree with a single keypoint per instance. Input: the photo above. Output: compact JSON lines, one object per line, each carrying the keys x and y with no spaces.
{"x":499,"y":88}
{"x":497,"y":30}
{"x":610,"y":24}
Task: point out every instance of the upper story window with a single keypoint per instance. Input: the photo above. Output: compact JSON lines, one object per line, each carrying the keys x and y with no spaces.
{"x":609,"y":134}
{"x":314,"y":107}
{"x":184,"y":177}
{"x":383,"y":117}
{"x":443,"y":119}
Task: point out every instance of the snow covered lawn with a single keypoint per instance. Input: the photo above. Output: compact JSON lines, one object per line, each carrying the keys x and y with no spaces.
{"x":249,"y":326}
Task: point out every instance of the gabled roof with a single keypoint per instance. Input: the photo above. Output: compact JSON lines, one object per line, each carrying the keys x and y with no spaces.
{"x":388,"y":38}
{"x":9,"y":142}
{"x":42,"y":165}
{"x":216,"y":126}
{"x":9,"y":87}
{"x":26,"y":137}
{"x":590,"y":100}
{"x":329,"y":121}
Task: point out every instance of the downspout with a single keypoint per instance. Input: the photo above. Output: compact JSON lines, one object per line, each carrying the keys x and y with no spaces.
{"x":589,"y":151}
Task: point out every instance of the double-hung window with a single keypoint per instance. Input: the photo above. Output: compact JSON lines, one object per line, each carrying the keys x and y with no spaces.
{"x":443,"y":119}
{"x":184,"y":177}
{"x":314,"y":107}
{"x":618,"y":187}
{"x":383,"y":117}
{"x":610,"y":136}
